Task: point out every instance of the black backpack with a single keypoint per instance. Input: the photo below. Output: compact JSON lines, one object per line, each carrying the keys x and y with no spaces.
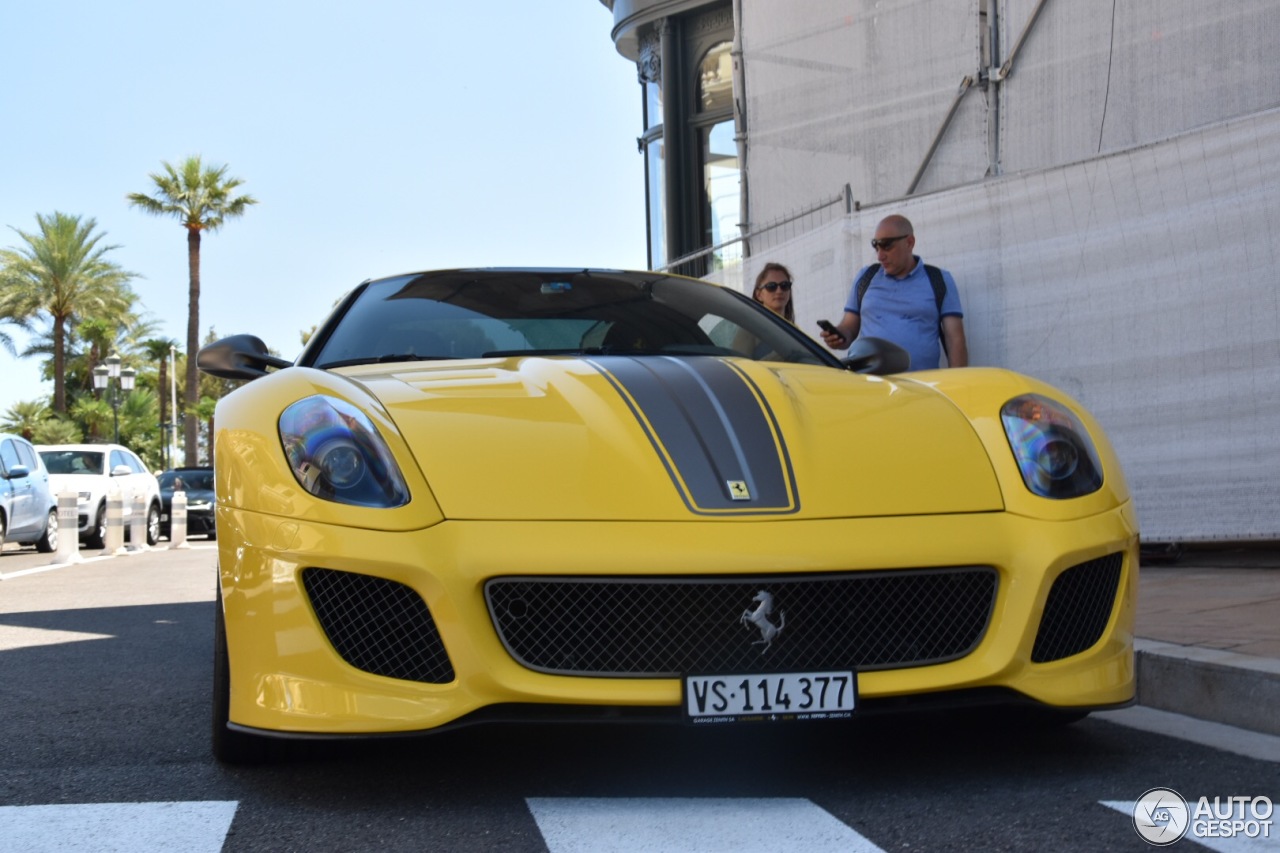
{"x":935,"y":280}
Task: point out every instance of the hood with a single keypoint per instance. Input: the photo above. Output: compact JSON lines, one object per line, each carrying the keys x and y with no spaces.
{"x":79,"y":482}
{"x":656,"y":438}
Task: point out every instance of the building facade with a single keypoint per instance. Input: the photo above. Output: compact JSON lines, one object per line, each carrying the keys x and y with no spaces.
{"x":1102,"y":178}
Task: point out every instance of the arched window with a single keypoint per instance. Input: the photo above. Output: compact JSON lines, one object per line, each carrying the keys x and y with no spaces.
{"x":719,"y":173}
{"x":693,"y":177}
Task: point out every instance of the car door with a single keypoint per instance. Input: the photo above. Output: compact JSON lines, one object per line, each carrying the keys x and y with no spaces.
{"x":140,"y":480}
{"x":19,"y":499}
{"x":126,"y":483}
{"x":42,"y":497}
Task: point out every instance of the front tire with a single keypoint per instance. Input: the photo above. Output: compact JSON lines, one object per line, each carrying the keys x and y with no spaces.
{"x":153,"y":524}
{"x":98,"y":537}
{"x":232,"y":747}
{"x":48,"y":543}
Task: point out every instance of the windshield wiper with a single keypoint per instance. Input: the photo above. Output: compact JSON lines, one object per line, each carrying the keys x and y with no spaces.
{"x":511,"y":353}
{"x":384,"y":359}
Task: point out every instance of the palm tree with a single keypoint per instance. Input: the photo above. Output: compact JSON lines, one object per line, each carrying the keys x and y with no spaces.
{"x":157,"y":351}
{"x":63,"y":273}
{"x":25,"y":417}
{"x":204,"y":410}
{"x":57,"y":431}
{"x":200,"y":197}
{"x":6,"y":339}
{"x":94,"y":415}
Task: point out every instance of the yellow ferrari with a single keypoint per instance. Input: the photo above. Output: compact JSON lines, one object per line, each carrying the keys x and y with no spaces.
{"x":495,"y":494}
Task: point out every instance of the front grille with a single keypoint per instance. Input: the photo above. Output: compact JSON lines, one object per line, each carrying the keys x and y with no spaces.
{"x":663,"y":627}
{"x":1078,"y":609}
{"x":378,"y":625}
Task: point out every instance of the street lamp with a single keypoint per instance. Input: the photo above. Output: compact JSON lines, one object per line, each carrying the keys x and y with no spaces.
{"x":102,"y":376}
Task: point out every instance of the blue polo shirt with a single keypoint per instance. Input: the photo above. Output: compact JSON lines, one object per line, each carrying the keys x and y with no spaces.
{"x":904,"y":311}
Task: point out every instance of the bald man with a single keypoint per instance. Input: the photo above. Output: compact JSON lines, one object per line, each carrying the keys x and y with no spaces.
{"x":900,"y":304}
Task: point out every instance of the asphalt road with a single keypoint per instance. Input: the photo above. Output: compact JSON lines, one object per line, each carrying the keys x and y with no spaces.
{"x":105,"y":671}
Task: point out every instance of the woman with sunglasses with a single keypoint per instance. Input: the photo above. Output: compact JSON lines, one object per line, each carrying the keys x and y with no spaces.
{"x":773,"y":290}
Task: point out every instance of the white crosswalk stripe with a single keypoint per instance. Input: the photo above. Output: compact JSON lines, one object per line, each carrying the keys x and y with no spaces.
{"x":691,"y":825}
{"x":116,"y":827}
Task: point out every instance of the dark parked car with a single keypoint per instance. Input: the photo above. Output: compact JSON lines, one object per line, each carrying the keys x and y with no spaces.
{"x":198,"y":484}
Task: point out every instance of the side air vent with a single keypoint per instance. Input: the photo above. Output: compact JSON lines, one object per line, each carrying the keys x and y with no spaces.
{"x":378,"y":625}
{"x":1078,"y":608}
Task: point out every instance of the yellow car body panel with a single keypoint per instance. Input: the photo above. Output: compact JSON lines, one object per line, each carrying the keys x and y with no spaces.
{"x":873,"y":492}
{"x":287,"y":677}
{"x":579,"y":464}
{"x":579,"y":435}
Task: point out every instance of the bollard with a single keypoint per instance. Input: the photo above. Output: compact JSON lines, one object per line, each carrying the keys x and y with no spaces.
{"x":68,"y":550}
{"x":113,"y":541}
{"x":138,"y":525}
{"x":178,"y":521}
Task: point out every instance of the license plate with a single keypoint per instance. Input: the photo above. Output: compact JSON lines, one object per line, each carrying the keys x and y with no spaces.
{"x":769,"y":697}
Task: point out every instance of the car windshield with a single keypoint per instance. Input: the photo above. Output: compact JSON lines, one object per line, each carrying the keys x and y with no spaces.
{"x":72,"y":461}
{"x":497,"y":313}
{"x":202,"y":480}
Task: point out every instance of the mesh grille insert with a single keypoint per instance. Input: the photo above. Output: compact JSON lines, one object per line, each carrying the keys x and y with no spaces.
{"x":662,"y":627}
{"x":1078,"y":608}
{"x":378,"y":625}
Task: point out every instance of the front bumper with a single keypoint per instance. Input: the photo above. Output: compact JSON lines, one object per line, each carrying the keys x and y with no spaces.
{"x":287,"y":676}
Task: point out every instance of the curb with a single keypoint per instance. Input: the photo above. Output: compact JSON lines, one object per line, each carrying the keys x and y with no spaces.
{"x":1209,"y":684}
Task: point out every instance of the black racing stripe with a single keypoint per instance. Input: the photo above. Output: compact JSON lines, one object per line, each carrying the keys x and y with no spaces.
{"x":712,"y":428}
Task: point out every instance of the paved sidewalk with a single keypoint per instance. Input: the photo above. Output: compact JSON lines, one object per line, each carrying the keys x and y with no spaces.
{"x":1208,"y":627}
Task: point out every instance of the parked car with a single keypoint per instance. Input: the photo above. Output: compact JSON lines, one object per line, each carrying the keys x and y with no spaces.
{"x":486,"y":495}
{"x":28,"y":504}
{"x":197,"y":483}
{"x":94,"y":471}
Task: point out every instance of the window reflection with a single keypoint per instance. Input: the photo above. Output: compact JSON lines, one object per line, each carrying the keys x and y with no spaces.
{"x":652,"y":104}
{"x":655,"y":169}
{"x":723,"y":186}
{"x":715,"y":78}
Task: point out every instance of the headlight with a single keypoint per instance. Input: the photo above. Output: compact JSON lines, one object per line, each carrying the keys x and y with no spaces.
{"x":336,"y":454}
{"x":1052,"y":449}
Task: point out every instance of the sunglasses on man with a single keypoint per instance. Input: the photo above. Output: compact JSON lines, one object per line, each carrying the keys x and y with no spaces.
{"x":886,"y":242}
{"x":771,"y":286}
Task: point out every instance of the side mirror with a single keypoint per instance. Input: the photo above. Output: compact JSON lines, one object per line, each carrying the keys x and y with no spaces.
{"x":238,"y":357}
{"x":876,"y":356}
{"x":121,"y":471}
{"x":17,"y":472}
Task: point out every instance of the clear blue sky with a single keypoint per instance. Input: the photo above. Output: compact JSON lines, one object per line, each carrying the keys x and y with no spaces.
{"x":379,"y":137}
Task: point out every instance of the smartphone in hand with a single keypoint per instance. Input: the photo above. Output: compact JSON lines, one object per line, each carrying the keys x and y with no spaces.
{"x":829,"y":328}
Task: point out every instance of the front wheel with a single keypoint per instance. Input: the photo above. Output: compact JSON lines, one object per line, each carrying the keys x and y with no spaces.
{"x":97,"y":538}
{"x":48,"y":543}
{"x":232,"y":747}
{"x":153,"y":524}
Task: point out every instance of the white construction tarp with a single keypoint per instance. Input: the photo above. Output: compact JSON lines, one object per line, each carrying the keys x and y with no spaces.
{"x":1110,"y":208}
{"x":1144,"y":283}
